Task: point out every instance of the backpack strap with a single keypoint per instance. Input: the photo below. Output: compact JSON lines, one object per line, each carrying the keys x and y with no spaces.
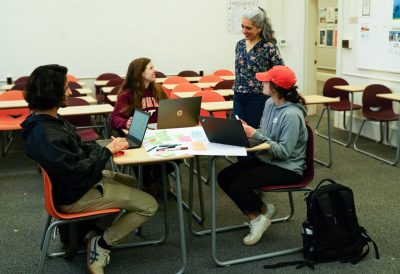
{"x":325,"y":180}
{"x":299,"y":264}
{"x":376,"y":250}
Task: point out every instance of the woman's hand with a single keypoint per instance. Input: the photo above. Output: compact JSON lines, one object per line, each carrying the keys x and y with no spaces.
{"x":248,"y":129}
{"x":117,"y":144}
{"x":128,"y":123}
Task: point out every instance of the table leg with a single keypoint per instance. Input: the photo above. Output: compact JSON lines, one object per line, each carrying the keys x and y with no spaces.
{"x":329,"y":163}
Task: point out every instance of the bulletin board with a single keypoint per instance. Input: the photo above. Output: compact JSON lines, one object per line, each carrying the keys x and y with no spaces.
{"x":378,"y":45}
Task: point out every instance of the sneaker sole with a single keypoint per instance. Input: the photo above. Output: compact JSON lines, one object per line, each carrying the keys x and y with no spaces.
{"x":256,"y":240}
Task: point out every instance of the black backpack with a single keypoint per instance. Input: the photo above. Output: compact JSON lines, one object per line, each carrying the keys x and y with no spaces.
{"x":331,"y":231}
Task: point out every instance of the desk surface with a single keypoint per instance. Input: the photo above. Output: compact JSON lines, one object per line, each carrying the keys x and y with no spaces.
{"x":319,"y":99}
{"x":84,"y":90}
{"x":140,"y":156}
{"x":88,"y":109}
{"x":9,"y":86}
{"x":186,"y":94}
{"x":196,"y":78}
{"x":23,"y":103}
{"x":200,"y":85}
{"x":217,"y":106}
{"x":351,"y":88}
{"x":390,"y":96}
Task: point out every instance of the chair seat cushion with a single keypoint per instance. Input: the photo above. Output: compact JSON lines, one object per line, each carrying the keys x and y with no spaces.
{"x":384,"y":116}
{"x":87,"y":134}
{"x":343,"y":106}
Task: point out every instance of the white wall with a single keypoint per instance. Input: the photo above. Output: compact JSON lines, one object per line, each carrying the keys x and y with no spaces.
{"x":95,"y":36}
{"x":349,"y":68}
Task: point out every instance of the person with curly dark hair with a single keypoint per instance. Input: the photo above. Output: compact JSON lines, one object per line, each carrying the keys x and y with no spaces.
{"x":76,"y":170}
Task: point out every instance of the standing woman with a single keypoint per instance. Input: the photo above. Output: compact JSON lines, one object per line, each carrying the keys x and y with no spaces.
{"x":139,"y":90}
{"x":257,"y":52}
{"x":283,"y":128}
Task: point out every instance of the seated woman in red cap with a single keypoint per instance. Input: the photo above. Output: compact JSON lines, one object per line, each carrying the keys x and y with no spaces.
{"x":283,"y":127}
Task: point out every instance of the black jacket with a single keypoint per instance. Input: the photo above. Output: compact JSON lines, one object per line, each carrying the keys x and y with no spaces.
{"x":73,"y":167}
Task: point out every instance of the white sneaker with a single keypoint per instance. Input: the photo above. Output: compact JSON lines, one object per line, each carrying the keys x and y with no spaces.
{"x":271,"y":211}
{"x":97,"y":257}
{"x":257,"y":227}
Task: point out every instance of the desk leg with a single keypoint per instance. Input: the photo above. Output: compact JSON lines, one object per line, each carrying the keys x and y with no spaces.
{"x":180,"y":215}
{"x":398,"y":141}
{"x":329,"y":163}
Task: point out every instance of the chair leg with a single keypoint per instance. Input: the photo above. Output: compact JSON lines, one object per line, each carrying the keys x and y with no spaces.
{"x":373,"y":155}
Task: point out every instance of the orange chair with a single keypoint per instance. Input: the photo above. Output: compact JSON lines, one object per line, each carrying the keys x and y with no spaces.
{"x":175,"y":80}
{"x":60,"y":219}
{"x":223,"y":72}
{"x":72,"y":78}
{"x":10,"y":119}
{"x":210,"y":78}
{"x":186,"y":87}
{"x":211,"y":96}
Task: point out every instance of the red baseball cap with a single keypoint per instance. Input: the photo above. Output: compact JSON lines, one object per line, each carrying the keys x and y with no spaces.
{"x":281,"y":76}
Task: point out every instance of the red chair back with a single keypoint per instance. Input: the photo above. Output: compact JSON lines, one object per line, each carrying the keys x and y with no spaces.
{"x":175,"y":80}
{"x":374,"y":107}
{"x":308,"y":175}
{"x":115,"y":82}
{"x":211,"y":96}
{"x":225,"y":84}
{"x":51,"y":209}
{"x":223,"y":72}
{"x":23,"y":79}
{"x":210,"y":78}
{"x":107,"y":76}
{"x":188,"y":73}
{"x":329,"y":90}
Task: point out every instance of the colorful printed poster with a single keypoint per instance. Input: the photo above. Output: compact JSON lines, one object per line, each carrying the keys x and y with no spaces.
{"x":396,"y":9}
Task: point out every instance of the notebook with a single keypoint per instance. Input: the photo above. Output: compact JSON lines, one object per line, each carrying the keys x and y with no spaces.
{"x":136,"y":132}
{"x":173,"y":113}
{"x":224,"y":131}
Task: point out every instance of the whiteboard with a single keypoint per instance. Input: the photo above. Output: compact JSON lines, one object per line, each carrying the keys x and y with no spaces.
{"x":91,"y":37}
{"x":374,"y":50}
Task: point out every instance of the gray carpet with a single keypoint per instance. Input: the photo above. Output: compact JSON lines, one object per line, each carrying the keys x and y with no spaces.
{"x":375,"y":185}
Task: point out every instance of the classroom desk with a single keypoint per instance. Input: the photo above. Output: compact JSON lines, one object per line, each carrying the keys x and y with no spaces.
{"x":9,"y":86}
{"x":396,"y":98}
{"x":217,"y":106}
{"x":102,"y":109}
{"x":22,"y":103}
{"x":196,"y":78}
{"x":222,"y":92}
{"x":351,"y":89}
{"x":141,"y":157}
{"x":200,"y":85}
{"x":106,"y":90}
{"x":101,"y":83}
{"x":112,"y":98}
{"x":213,"y":230}
{"x":85,"y":91}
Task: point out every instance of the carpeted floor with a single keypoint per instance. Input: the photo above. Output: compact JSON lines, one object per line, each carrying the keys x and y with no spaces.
{"x":376,"y":187}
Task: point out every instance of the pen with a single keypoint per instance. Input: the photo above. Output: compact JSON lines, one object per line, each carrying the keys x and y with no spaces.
{"x":172,"y":148}
{"x":151,"y":149}
{"x":237,"y":117}
{"x":169,"y":145}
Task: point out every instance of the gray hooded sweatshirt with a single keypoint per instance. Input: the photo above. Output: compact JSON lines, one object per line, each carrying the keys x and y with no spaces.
{"x":284,"y":129}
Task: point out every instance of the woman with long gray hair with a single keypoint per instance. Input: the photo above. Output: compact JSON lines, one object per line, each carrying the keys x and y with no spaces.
{"x":257,"y":52}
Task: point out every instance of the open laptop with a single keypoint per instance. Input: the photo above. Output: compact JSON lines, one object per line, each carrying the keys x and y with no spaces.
{"x":136,"y":132}
{"x":224,"y":131}
{"x":173,"y":113}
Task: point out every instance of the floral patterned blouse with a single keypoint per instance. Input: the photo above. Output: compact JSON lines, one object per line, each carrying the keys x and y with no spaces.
{"x":262,"y":57}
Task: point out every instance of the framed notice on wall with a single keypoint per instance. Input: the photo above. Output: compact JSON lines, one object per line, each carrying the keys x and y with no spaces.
{"x":236,"y":9}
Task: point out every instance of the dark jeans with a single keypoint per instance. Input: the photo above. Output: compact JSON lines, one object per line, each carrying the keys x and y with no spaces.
{"x":240,"y":180}
{"x":152,"y":173}
{"x":249,"y":107}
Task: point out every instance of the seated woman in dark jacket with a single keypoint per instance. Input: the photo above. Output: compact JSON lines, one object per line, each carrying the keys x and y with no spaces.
{"x":76,"y":170}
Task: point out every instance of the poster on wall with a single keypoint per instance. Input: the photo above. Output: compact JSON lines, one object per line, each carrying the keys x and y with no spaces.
{"x":365,"y":31}
{"x":322,"y":15}
{"x":394,"y":41}
{"x":366,"y":7}
{"x":322,"y":37}
{"x":329,"y":37}
{"x":396,"y":9}
{"x":236,"y":9}
{"x":330,"y":14}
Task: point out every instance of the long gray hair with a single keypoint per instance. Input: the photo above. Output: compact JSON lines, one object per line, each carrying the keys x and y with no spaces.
{"x":260,"y":19}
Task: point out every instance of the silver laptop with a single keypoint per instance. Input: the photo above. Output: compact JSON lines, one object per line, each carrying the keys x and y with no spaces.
{"x":224,"y":131}
{"x":173,"y":113}
{"x":136,"y":131}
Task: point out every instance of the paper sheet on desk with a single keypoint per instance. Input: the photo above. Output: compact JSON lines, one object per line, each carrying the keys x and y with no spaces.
{"x":193,"y":138}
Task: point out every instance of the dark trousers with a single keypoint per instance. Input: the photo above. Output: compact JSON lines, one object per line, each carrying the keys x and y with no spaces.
{"x":249,"y":107}
{"x":240,"y":180}
{"x":152,"y":173}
